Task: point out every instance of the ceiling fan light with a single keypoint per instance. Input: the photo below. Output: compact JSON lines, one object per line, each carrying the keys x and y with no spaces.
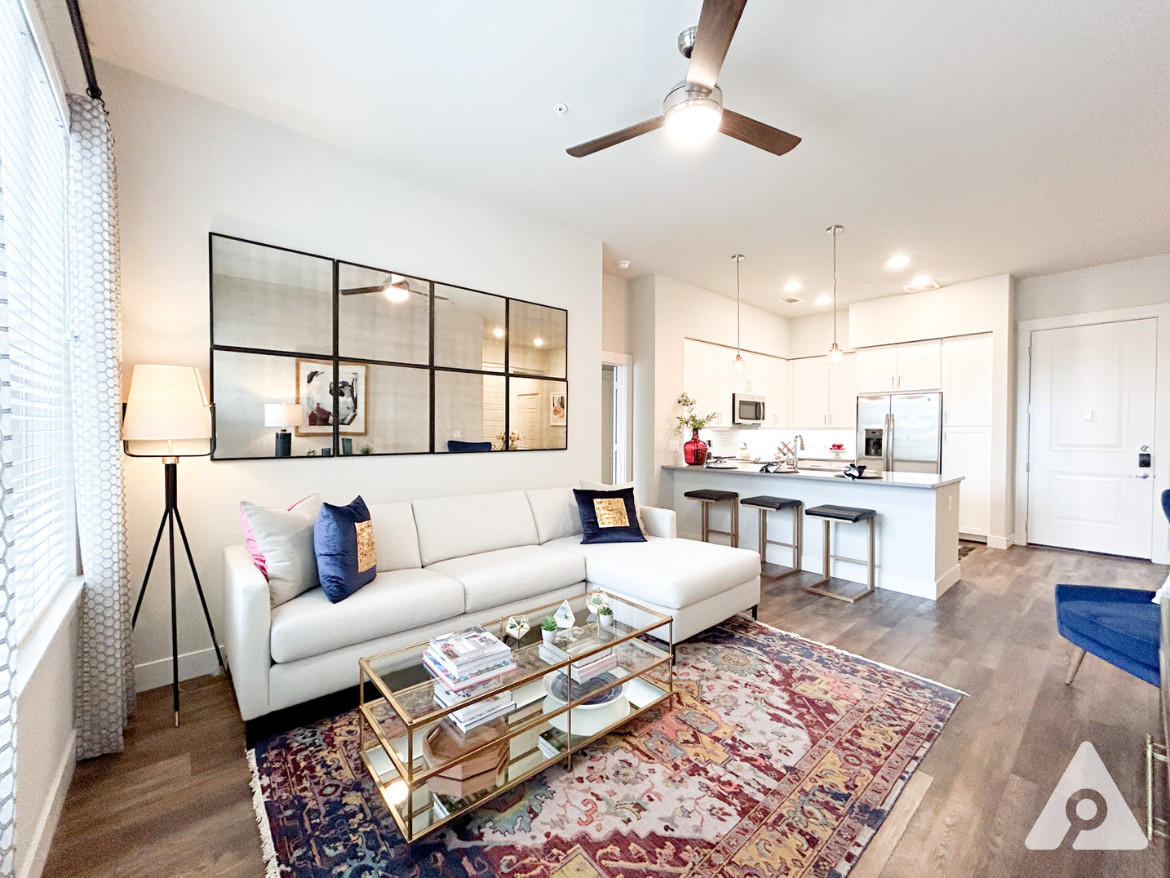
{"x":396,"y":291}
{"x":692,"y":114}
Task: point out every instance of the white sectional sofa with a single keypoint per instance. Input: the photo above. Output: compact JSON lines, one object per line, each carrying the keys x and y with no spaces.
{"x":452,"y":562}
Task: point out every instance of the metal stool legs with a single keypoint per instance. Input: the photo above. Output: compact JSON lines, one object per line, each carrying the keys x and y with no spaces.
{"x":821,"y":585}
{"x":794,"y":545}
{"x":733,"y":534}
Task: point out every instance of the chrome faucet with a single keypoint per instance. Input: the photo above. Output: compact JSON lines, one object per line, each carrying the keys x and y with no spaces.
{"x":797,"y":447}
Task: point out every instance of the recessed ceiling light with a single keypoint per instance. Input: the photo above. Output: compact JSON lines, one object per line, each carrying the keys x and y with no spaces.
{"x":498,"y":332}
{"x":623,"y":264}
{"x":921,"y":284}
{"x":897,"y":261}
{"x":538,"y":342}
{"x":824,"y":299}
{"x":791,"y":300}
{"x":792,"y":286}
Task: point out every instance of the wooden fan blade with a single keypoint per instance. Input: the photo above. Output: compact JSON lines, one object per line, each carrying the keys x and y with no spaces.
{"x":361,"y":291}
{"x":757,"y":134}
{"x":717,"y":23}
{"x":583,"y":149}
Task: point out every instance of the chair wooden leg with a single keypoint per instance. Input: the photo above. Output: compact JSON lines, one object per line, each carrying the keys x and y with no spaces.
{"x":1074,"y":665}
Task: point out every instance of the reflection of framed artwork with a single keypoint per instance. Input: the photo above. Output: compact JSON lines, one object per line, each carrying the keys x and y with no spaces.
{"x":556,"y":409}
{"x":315,"y":393}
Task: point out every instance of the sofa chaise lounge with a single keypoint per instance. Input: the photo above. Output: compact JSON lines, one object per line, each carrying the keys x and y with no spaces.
{"x":452,"y":562}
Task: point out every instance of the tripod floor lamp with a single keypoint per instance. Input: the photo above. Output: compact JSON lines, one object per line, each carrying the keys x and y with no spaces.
{"x":168,"y":405}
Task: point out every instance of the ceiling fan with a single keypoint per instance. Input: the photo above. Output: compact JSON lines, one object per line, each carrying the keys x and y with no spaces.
{"x":693,"y":109}
{"x":395,"y":288}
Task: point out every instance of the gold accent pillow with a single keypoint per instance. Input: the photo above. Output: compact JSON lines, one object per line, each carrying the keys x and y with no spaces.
{"x":611,"y":512}
{"x":367,"y":557}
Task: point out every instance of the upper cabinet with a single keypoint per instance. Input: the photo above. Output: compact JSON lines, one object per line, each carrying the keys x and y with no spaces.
{"x":891,"y":368}
{"x":966,"y":381}
{"x":710,"y":377}
{"x":843,"y":392}
{"x":824,"y":394}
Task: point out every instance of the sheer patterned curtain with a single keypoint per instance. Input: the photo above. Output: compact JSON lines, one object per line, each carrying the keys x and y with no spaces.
{"x":104,"y":693}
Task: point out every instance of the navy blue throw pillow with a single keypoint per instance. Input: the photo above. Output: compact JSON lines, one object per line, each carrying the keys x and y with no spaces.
{"x":343,"y":538}
{"x":608,"y":516}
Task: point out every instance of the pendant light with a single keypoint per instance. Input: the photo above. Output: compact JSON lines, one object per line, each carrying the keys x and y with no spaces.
{"x":739,"y":363}
{"x":835,"y":352}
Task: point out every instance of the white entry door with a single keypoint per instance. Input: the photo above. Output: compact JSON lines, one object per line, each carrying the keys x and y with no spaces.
{"x":1091,"y":407}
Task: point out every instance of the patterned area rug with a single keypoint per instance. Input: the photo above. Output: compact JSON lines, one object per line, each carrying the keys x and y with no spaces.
{"x":781,"y":757}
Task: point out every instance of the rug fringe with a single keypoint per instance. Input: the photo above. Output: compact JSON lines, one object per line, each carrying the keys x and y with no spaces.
{"x":838,"y":649}
{"x":267,"y":848}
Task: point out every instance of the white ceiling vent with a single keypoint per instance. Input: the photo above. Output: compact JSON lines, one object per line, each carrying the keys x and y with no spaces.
{"x":791,"y":300}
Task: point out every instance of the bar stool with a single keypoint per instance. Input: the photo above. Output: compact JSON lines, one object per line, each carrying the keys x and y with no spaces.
{"x":707,"y":496}
{"x":765,"y":504}
{"x":849,"y":514}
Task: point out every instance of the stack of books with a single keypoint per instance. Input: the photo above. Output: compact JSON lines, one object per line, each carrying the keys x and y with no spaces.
{"x":599,"y":662}
{"x":462,"y":664}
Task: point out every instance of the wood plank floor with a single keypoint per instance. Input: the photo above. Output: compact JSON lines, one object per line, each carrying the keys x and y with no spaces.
{"x":177,"y":801}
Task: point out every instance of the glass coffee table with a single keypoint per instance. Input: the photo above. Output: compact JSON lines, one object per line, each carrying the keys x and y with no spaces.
{"x":429,"y":771}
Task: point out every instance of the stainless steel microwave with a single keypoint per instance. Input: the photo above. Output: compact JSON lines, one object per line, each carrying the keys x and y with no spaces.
{"x":747,"y":409}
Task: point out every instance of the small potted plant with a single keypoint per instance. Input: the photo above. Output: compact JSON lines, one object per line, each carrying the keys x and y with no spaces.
{"x":694,"y":449}
{"x":605,"y":617}
{"x":548,"y":629}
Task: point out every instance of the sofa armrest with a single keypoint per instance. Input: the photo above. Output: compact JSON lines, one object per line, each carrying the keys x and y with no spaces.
{"x":659,"y":522}
{"x":248,"y":619}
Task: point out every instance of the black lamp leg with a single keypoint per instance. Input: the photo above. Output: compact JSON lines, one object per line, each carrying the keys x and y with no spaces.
{"x":169,"y":518}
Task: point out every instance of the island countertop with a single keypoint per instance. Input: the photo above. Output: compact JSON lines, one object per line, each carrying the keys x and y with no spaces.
{"x":917,"y":525}
{"x":896,"y":479}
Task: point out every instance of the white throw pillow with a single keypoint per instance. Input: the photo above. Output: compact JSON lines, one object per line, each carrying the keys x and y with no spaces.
{"x":1163,"y":591}
{"x":602,"y":486}
{"x":285,"y":539}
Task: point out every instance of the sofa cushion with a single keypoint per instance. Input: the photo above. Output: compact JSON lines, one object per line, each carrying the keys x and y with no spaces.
{"x":608,"y":516}
{"x":555,"y":512}
{"x":667,"y":572}
{"x":395,"y":601}
{"x":493,"y":578}
{"x":344,"y":539}
{"x":395,"y":536}
{"x":284,"y":542}
{"x":453,"y":527}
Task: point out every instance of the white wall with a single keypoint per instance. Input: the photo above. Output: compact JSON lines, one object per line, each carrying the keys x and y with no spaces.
{"x":1128,"y":284}
{"x":187,"y":166}
{"x":615,"y":307}
{"x":811,"y":336}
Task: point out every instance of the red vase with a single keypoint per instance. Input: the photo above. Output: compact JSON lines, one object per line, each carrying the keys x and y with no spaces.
{"x":695,"y":450}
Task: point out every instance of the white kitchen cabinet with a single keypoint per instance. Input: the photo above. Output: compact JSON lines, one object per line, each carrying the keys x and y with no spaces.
{"x":966,"y":381}
{"x":810,"y":393}
{"x":709,"y":376}
{"x":779,"y":392}
{"x":843,"y":392}
{"x":891,"y":368}
{"x":919,"y":366}
{"x":967,"y":453}
{"x":877,"y":369}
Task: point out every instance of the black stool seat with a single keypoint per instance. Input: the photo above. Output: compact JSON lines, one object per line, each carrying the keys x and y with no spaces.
{"x":841,"y":513}
{"x":765,"y":501}
{"x":712,"y":496}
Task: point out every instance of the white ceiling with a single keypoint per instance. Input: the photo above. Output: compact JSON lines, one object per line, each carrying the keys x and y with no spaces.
{"x":980,"y":138}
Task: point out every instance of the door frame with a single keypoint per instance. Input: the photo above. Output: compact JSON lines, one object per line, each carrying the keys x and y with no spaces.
{"x":1160,"y":541}
{"x":623,"y":414}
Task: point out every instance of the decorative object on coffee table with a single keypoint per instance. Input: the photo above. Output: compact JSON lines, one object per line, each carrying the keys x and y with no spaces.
{"x":825,"y":742}
{"x":168,"y":405}
{"x":694,"y":449}
{"x":605,"y":617}
{"x":517,"y":626}
{"x":548,"y":629}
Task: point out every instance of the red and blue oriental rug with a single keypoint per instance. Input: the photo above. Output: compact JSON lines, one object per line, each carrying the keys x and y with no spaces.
{"x":780,"y":757}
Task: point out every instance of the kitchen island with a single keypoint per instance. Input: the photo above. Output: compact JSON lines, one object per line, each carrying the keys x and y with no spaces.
{"x":917,"y":542}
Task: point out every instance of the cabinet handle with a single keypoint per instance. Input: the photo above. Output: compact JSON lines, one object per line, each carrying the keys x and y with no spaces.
{"x":899,"y":382}
{"x":891,"y":382}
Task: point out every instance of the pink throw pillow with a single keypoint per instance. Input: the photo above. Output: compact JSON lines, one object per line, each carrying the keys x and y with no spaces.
{"x":250,"y":539}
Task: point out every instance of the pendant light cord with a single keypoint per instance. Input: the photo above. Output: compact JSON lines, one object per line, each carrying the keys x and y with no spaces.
{"x":835,"y":230}
{"x":738,"y":259}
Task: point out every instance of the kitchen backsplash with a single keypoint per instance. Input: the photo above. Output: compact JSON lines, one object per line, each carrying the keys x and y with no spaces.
{"x":762,"y":442}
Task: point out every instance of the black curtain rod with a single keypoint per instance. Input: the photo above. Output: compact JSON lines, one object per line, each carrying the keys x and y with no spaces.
{"x":83,"y":48}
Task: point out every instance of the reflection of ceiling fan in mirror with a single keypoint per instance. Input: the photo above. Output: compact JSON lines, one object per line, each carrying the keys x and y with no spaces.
{"x":395,"y":288}
{"x":693,"y":110}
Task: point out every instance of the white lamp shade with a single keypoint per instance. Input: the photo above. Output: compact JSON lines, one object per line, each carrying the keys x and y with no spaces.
{"x":166,"y":402}
{"x":279,"y":414}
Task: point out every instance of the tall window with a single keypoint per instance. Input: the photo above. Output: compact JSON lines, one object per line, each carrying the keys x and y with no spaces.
{"x":39,"y":551}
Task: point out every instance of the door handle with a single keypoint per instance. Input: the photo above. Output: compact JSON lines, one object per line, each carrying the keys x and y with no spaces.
{"x":1142,"y":476}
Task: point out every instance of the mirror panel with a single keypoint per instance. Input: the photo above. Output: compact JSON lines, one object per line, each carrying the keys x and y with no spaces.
{"x":539,"y":413}
{"x":469,"y":329}
{"x":469,"y":411}
{"x":265,"y":297}
{"x":398,"y":410}
{"x":383,"y":315}
{"x":244,"y":384}
{"x":537,"y":340}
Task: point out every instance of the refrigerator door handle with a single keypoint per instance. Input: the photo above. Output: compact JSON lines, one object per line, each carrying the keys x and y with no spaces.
{"x":888,"y":463}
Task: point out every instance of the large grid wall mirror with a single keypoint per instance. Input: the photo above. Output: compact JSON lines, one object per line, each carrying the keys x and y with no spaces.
{"x":315,"y":357}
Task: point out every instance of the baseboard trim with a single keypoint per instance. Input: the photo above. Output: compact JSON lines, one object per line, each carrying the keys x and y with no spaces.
{"x":33,"y":865}
{"x":997,"y":542}
{"x":151,"y":675}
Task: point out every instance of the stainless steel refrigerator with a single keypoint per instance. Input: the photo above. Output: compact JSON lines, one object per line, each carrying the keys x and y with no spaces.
{"x":900,"y":432}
